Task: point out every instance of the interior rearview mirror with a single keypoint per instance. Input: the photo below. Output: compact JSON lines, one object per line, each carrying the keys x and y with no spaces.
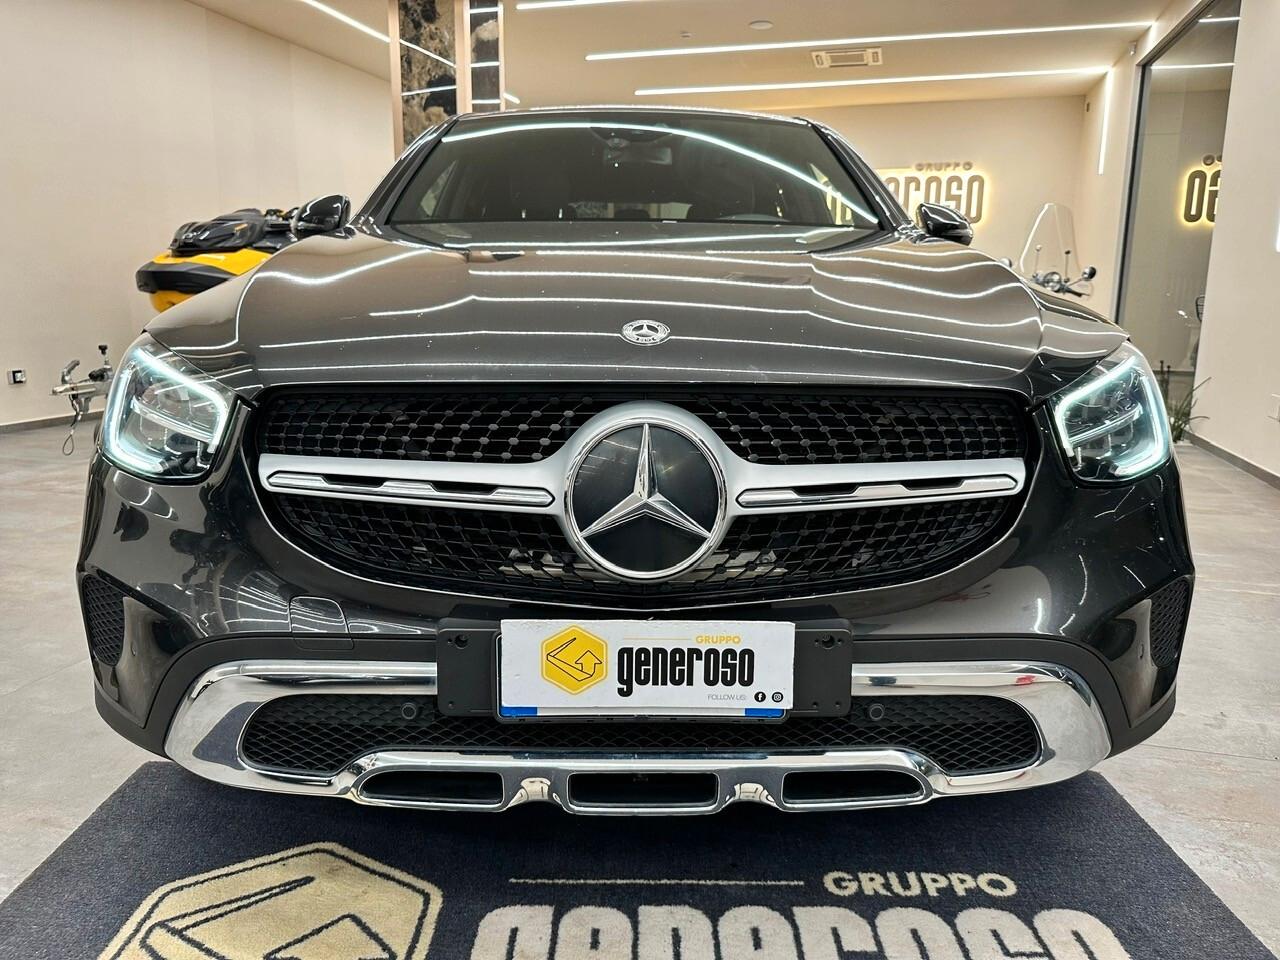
{"x":944,"y":223}
{"x":321,"y":215}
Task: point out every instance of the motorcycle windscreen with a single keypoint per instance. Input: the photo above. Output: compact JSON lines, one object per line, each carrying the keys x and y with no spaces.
{"x":1051,"y":244}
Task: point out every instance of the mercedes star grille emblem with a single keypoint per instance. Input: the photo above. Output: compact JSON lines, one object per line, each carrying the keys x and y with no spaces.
{"x":645,"y":332}
{"x":646,"y":500}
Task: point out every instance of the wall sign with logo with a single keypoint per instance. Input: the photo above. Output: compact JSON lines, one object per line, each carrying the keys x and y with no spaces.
{"x":955,"y":183}
{"x":1200,"y":191}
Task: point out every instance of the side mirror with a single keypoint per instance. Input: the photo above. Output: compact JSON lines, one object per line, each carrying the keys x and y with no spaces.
{"x":1088,"y":273}
{"x":321,"y":215}
{"x":944,"y":223}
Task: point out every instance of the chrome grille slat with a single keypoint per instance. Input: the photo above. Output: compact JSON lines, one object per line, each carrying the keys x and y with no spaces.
{"x":537,"y":487}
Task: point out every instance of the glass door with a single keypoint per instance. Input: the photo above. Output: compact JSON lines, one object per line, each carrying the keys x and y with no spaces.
{"x":1173,"y":203}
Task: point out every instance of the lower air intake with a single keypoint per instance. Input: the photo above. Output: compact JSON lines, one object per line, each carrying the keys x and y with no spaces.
{"x":1169,"y":608}
{"x":104,"y":619}
{"x":323,"y":733}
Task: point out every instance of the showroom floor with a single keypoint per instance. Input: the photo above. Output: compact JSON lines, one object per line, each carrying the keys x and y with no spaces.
{"x":1207,"y":782}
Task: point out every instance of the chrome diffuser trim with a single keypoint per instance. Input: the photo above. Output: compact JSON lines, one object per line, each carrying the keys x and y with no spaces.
{"x":539,"y":487}
{"x":206,"y":733}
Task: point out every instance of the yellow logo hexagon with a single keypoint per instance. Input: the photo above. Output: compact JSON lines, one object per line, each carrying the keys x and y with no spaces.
{"x":574,"y":659}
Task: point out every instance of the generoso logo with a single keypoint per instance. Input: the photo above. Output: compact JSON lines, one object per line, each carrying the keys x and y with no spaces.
{"x":641,"y":666}
{"x":810,"y":932}
{"x":326,"y":901}
{"x":576,"y":660}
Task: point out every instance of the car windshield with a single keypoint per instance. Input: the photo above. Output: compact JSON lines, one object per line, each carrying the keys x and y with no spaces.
{"x":669,"y":169}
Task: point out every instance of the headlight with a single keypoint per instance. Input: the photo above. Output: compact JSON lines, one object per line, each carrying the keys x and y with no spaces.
{"x":164,"y":418}
{"x":1111,"y":422}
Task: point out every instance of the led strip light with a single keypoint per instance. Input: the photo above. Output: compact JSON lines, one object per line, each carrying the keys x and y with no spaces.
{"x":868,"y":81}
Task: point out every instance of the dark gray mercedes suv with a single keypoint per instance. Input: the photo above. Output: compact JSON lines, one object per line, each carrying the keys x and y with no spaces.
{"x":636,"y":461}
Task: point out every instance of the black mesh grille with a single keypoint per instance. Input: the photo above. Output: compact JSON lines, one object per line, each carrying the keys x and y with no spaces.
{"x":322,"y":733}
{"x":527,"y":556}
{"x":1169,"y":607}
{"x":104,"y":619}
{"x":528,"y":424}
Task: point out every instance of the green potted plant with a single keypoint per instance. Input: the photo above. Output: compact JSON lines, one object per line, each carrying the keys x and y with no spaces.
{"x":1180,"y":413}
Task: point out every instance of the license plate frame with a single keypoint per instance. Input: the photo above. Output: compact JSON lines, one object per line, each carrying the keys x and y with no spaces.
{"x":611,"y":669}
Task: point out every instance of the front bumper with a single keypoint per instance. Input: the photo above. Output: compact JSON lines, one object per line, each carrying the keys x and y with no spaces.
{"x":210,"y":585}
{"x":208,"y":729}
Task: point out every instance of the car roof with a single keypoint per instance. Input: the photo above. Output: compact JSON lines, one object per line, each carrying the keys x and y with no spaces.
{"x":624,"y":108}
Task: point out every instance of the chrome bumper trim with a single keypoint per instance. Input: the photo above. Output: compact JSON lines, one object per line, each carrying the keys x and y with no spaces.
{"x":206,"y":732}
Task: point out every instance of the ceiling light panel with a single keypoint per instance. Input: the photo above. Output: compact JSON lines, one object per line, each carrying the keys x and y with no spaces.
{"x":550,"y":4}
{"x":429,"y":90}
{"x":370,"y":31}
{"x":1135,"y":25}
{"x":869,"y":81}
{"x":349,"y":21}
{"x":1191,"y":66}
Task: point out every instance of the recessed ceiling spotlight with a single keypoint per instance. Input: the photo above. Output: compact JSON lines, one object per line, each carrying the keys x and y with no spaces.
{"x":761,"y":24}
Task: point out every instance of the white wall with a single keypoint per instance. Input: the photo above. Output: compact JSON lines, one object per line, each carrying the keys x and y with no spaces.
{"x":1027,"y":148}
{"x":1240,"y":343}
{"x":123,"y":119}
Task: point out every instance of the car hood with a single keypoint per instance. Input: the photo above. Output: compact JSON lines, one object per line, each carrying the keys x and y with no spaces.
{"x":888,"y":312}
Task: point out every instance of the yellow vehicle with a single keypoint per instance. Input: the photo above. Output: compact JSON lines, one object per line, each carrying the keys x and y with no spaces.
{"x":204,"y":253}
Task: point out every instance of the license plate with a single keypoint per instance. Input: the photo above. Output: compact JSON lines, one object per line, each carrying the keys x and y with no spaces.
{"x":673,"y":668}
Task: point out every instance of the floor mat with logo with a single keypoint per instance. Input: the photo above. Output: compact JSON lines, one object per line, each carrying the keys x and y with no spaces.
{"x":174,"y":868}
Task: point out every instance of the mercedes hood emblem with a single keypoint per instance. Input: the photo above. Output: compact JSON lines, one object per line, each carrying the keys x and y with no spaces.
{"x":645,"y":332}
